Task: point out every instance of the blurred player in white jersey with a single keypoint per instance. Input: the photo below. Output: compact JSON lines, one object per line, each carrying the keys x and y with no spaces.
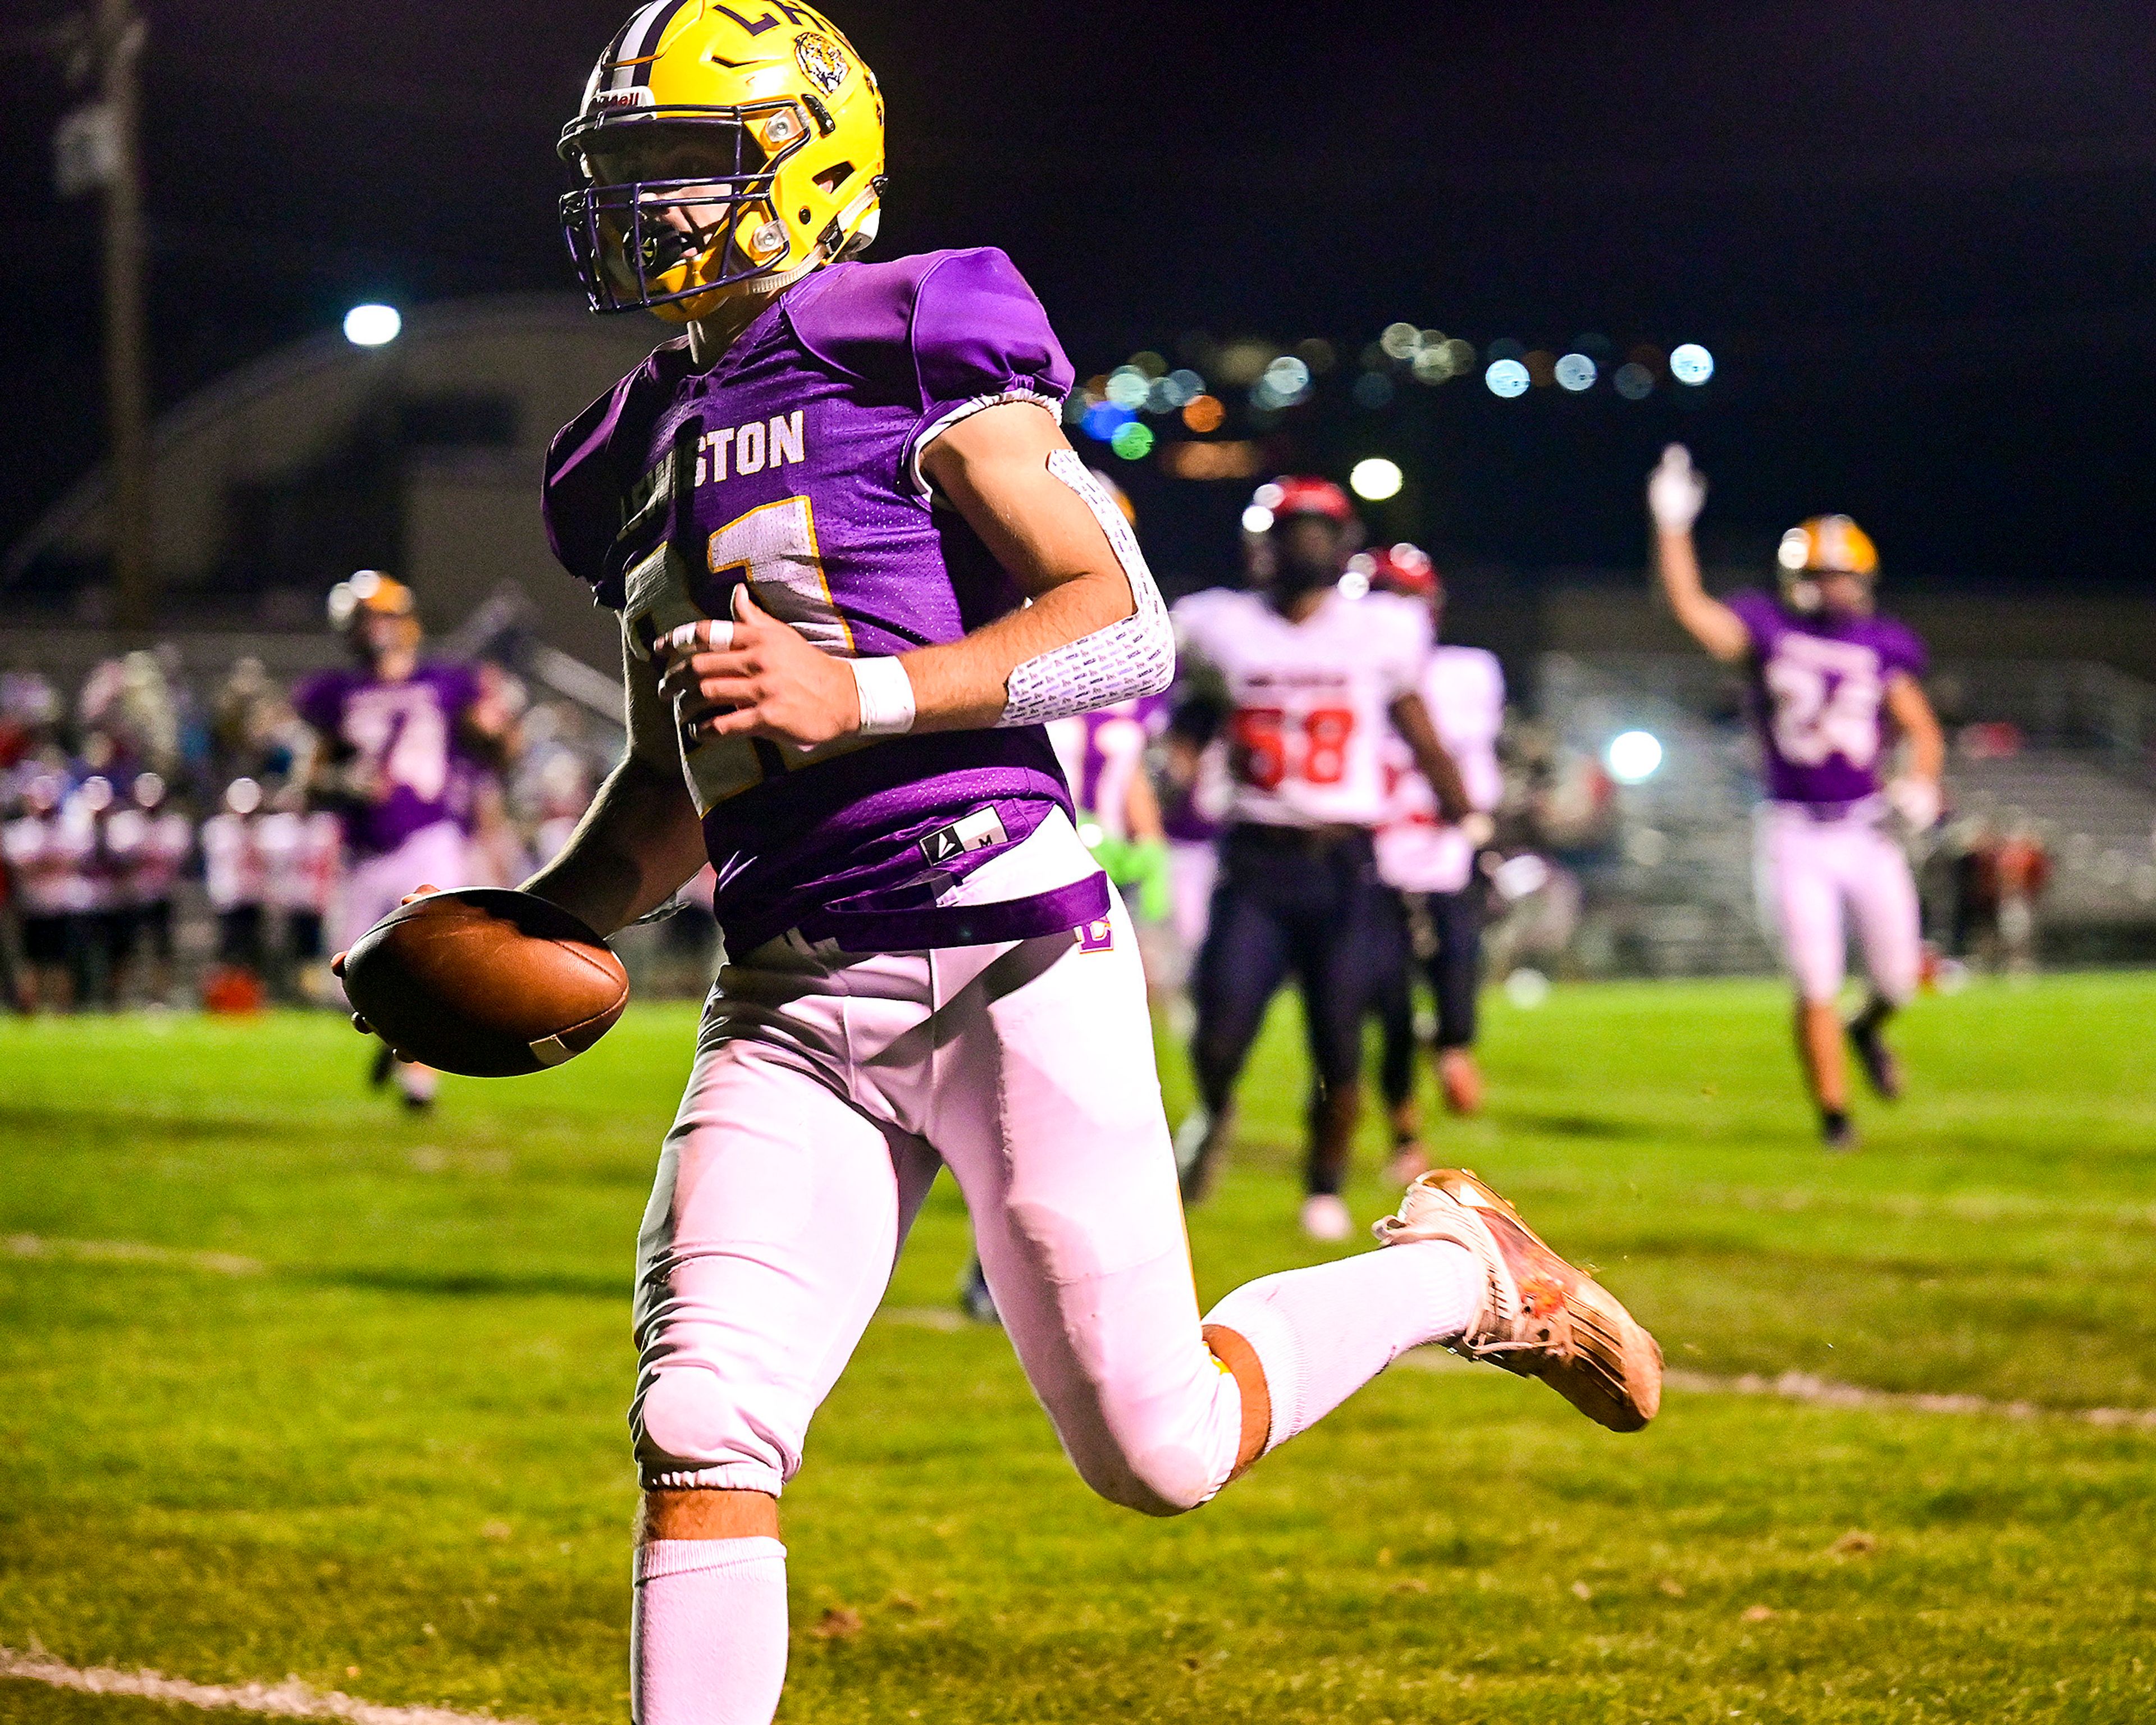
{"x":1432,"y":905}
{"x":1314,"y":679}
{"x":390,"y":733}
{"x":49,"y":848}
{"x":149,"y":842}
{"x":1830,"y":682}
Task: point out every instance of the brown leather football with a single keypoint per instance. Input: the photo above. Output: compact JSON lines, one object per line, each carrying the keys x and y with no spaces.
{"x":486,"y":982}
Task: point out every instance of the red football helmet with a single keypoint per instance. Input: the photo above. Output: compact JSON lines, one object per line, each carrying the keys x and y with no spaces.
{"x":1402,"y":568}
{"x":1301,"y":493}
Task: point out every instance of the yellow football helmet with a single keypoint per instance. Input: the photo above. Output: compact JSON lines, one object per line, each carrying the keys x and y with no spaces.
{"x":367,"y":593}
{"x":780,"y":126}
{"x":1824,"y":545}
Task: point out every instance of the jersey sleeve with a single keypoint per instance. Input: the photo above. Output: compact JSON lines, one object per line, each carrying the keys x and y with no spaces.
{"x":320,"y":701}
{"x":1902,"y":650}
{"x":1760,"y":615}
{"x":1403,"y":646}
{"x":581,"y":498}
{"x":584,"y":488}
{"x":1193,"y":618}
{"x":979,"y":338}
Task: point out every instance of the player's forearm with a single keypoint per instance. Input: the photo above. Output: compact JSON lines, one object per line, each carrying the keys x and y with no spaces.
{"x":1411,"y":718}
{"x":636,"y":844}
{"x":1913,"y":712}
{"x":1703,"y":617}
{"x":965,"y":684}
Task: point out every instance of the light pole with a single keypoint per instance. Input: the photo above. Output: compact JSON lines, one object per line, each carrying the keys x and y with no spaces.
{"x":119,"y":35}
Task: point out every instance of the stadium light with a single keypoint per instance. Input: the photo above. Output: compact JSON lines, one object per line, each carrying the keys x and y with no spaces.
{"x":1633,"y":756}
{"x":1508,"y":378}
{"x":1692,"y":364}
{"x":1374,"y":479}
{"x":372,"y":325}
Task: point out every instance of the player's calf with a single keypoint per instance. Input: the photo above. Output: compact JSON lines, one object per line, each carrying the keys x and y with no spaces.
{"x":1881,"y":1070}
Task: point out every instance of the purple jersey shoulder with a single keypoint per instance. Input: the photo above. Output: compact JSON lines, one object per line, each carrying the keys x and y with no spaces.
{"x":1766,"y":618}
{"x":933,"y":334}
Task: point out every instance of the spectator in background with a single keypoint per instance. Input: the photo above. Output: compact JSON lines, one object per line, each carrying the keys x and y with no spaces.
{"x":253,"y":732}
{"x":131,"y":703}
{"x":49,"y":848}
{"x":147,"y":843}
{"x":2023,"y":868}
{"x":559,"y":793}
{"x":105,"y":928}
{"x":236,"y":879}
{"x":301,"y":853}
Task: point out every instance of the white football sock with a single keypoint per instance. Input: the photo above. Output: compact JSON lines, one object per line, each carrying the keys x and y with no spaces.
{"x":1323,"y":1332}
{"x":417,"y":1081}
{"x":707,"y":1634}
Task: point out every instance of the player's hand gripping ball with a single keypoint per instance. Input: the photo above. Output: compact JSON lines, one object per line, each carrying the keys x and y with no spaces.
{"x":484,"y":982}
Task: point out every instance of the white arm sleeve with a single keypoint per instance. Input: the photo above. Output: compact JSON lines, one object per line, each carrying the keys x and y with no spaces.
{"x":1127,"y":658}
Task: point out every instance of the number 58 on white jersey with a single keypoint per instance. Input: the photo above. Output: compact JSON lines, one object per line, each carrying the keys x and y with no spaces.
{"x":1310,"y":702}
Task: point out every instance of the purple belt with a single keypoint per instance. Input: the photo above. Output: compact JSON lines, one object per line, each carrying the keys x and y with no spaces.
{"x":1056,"y":912}
{"x":1869,"y":806}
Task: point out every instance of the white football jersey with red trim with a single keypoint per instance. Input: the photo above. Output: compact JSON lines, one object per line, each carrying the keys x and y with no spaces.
{"x":1464,"y":688}
{"x":1310,"y":702}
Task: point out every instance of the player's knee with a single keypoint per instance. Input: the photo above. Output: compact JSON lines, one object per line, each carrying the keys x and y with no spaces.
{"x":1169,"y":1480}
{"x":690,"y":1427}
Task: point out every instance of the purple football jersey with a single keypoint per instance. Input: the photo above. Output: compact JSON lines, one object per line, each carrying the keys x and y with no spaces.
{"x":1817,"y":696}
{"x":407,"y":732}
{"x":793,"y":464}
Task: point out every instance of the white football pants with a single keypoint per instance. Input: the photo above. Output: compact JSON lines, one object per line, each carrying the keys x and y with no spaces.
{"x":827,"y":1089}
{"x":1807,"y":870}
{"x":433,"y":856}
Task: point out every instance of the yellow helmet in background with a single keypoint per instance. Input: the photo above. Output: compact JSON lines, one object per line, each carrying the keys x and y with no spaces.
{"x":1824,"y":545}
{"x":369,"y":592}
{"x":780,"y":128}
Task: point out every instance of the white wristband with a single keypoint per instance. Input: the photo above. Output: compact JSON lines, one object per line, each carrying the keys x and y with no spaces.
{"x":886,"y":696}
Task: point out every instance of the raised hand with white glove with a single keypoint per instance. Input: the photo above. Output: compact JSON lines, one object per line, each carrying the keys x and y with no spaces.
{"x":1676,"y":490}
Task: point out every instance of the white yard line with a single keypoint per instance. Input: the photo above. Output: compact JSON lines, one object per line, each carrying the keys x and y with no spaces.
{"x":1789,"y":1386}
{"x":290,"y":1699}
{"x":1826,"y":1392}
{"x":130,"y":1251}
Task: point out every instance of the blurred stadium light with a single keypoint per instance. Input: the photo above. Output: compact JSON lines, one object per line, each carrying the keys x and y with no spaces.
{"x":1374,"y":479}
{"x":372,"y":325}
{"x":1507,"y":377}
{"x":1633,"y":756}
{"x":1690,"y":363}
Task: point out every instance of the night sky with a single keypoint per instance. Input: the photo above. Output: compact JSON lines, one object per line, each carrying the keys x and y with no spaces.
{"x":1918,"y":236}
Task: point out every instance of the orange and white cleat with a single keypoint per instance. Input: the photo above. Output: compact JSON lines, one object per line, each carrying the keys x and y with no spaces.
{"x":1541,"y":1318}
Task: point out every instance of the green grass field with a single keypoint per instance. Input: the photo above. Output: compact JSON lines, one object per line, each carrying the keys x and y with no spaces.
{"x":290,"y":1383}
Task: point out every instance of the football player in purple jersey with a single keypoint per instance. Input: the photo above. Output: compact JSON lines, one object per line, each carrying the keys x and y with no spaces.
{"x":1831,"y":683}
{"x":392,"y":734}
{"x":858,"y":571}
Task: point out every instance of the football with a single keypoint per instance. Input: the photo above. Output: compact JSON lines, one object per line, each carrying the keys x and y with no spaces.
{"x":486,"y":982}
